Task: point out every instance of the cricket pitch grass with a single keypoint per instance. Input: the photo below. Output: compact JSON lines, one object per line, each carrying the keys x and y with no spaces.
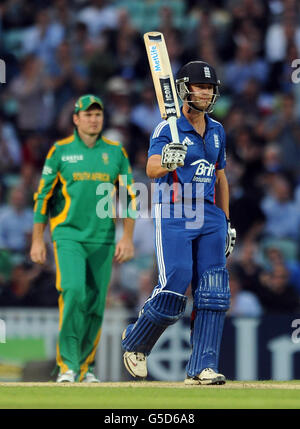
{"x":151,"y":395}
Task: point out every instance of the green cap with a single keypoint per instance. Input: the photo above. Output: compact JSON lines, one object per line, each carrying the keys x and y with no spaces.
{"x":85,"y":101}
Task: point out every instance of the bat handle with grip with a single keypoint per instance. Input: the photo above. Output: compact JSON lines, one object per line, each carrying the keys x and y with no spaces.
{"x":172,"y":120}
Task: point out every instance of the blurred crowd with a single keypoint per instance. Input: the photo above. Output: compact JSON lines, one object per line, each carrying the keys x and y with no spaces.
{"x":55,"y":51}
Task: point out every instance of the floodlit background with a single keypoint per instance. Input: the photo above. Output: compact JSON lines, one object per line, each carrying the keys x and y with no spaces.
{"x":55,"y":51}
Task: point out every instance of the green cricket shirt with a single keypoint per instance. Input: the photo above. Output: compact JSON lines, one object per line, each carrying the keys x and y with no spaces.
{"x":69,"y":194}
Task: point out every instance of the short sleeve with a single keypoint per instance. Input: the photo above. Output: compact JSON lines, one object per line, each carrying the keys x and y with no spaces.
{"x":159,"y":138}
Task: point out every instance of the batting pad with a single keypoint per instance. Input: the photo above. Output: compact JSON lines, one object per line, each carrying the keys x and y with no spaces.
{"x":213,"y":292}
{"x":212,"y":300}
{"x":206,"y":340}
{"x":160,"y":312}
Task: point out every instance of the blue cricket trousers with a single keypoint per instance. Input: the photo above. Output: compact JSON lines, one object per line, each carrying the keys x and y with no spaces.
{"x":184,"y":253}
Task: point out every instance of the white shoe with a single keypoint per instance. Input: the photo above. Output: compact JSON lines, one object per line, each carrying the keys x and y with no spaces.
{"x":66,"y":377}
{"x":135,"y":364}
{"x":90,"y":378}
{"x":207,"y":376}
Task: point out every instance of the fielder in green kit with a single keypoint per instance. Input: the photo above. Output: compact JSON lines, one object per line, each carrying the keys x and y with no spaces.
{"x":84,"y":240}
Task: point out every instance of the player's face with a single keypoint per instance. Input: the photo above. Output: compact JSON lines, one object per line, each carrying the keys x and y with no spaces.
{"x":89,"y":122}
{"x":202,"y":94}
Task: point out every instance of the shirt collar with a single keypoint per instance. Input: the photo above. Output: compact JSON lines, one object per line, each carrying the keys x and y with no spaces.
{"x":184,"y":125}
{"x":77,"y":136}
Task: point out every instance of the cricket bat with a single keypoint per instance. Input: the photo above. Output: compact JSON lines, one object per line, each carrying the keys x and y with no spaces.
{"x":163,"y":80}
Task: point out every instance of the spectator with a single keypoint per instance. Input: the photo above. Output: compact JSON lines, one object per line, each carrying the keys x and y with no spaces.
{"x":22,"y":278}
{"x":34,"y":149}
{"x":33,"y":286}
{"x":279,"y":35}
{"x":146,"y":114}
{"x":280,"y":209}
{"x":203,"y":29}
{"x":248,"y":9}
{"x":29,"y":180}
{"x":275,"y":257}
{"x":64,"y":125}
{"x":246,"y":214}
{"x":17,"y":15}
{"x":247,"y":149}
{"x":250,"y":100}
{"x":249,"y":31}
{"x":145,"y":287}
{"x":297,"y":196}
{"x":138,"y":170}
{"x":272,"y":160}
{"x":276,"y":294}
{"x":246,"y":267}
{"x":118,"y":92}
{"x":272,"y":165}
{"x":102,"y":65}
{"x":10,"y":148}
{"x":28,"y":90}
{"x":246,"y":65}
{"x":282,"y":119}
{"x":244,"y":303}
{"x":233,"y":120}
{"x":175,"y":49}
{"x":16,"y":222}
{"x":283,"y":127}
{"x":127,"y":46}
{"x":130,"y":272}
{"x":80,"y":41}
{"x":3,"y":202}
{"x":98,"y":16}
{"x":63,"y":14}
{"x":67,"y":77}
{"x":43,"y":37}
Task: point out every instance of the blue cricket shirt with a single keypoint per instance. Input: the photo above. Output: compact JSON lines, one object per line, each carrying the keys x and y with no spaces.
{"x":204,"y":156}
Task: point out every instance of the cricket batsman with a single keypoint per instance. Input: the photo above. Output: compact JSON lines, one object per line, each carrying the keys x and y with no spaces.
{"x":83,"y":240}
{"x":186,"y":255}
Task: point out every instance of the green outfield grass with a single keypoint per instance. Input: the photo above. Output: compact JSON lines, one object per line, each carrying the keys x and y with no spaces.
{"x":236,"y":395}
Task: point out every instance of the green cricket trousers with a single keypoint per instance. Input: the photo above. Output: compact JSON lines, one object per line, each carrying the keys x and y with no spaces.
{"x":83,"y":272}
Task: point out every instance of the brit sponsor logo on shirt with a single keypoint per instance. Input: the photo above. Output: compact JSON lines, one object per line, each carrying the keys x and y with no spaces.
{"x":72,"y":158}
{"x":204,"y":172}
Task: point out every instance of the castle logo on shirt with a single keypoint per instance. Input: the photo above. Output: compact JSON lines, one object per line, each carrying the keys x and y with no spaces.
{"x":204,"y":172}
{"x":72,"y":158}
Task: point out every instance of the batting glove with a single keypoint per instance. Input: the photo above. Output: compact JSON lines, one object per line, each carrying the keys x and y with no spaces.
{"x":230,"y":239}
{"x":173,"y":155}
